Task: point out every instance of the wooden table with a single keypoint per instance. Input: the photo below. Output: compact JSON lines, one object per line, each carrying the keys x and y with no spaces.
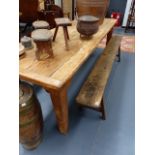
{"x":55,"y":74}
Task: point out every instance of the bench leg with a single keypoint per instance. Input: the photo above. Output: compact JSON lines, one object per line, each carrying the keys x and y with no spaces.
{"x":119,"y":55}
{"x":103,"y":110}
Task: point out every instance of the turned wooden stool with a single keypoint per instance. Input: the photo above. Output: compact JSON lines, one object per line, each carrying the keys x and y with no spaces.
{"x":64,"y":22}
{"x":43,"y":40}
{"x":40,"y":24}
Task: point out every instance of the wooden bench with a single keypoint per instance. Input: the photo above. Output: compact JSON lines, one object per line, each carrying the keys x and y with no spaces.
{"x":91,"y":93}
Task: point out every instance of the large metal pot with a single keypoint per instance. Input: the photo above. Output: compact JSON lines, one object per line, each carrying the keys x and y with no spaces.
{"x":87,"y":25}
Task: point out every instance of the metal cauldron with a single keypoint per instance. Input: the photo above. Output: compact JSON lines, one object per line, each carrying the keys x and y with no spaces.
{"x":87,"y":25}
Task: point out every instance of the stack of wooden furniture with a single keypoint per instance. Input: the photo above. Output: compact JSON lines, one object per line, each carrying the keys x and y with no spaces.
{"x":29,"y":12}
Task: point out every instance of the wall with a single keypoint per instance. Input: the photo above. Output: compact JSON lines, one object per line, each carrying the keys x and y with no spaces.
{"x":118,"y":6}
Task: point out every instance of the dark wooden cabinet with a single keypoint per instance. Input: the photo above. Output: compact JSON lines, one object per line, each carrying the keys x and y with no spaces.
{"x":28,"y":10}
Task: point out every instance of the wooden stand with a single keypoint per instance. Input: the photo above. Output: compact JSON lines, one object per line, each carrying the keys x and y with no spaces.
{"x":64,"y":22}
{"x":42,"y":38}
{"x":44,"y":49}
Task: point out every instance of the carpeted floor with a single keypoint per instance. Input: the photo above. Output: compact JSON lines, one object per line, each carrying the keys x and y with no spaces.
{"x":88,"y":134}
{"x":128,"y":39}
{"x":127,"y":43}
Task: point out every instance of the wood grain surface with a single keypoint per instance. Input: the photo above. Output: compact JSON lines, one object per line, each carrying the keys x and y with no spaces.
{"x":92,"y":91}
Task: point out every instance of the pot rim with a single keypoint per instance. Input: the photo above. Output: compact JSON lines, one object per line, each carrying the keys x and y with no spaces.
{"x":88,"y":18}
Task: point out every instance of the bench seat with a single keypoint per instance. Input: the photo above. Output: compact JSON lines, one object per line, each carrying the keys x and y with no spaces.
{"x":91,"y":93}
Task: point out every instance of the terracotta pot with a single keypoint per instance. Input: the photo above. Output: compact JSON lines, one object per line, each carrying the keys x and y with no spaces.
{"x":96,"y":8}
{"x":87,"y":25}
{"x":30,"y":118}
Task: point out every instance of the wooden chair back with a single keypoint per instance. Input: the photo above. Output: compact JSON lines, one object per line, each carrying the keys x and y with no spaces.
{"x":49,"y":16}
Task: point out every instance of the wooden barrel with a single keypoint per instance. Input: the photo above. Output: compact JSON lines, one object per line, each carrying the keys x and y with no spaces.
{"x":96,"y":8}
{"x":30,"y":117}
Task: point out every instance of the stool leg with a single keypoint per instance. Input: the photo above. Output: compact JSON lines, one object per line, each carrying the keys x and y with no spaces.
{"x":67,"y":33}
{"x":65,"y":36}
{"x":55,"y":33}
{"x":103,"y":110}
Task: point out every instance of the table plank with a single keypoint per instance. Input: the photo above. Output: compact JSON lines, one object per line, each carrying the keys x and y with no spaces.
{"x":66,"y":71}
